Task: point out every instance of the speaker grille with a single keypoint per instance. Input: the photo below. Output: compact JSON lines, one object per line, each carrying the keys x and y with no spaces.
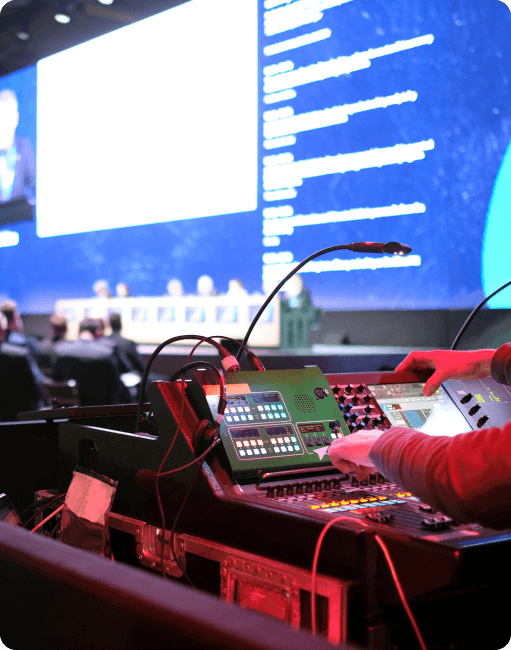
{"x":305,"y":404}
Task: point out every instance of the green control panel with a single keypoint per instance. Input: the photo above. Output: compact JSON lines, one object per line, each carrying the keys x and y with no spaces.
{"x":278,"y":420}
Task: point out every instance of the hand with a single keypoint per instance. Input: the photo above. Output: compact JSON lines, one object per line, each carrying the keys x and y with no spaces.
{"x":351,"y":453}
{"x":449,"y":364}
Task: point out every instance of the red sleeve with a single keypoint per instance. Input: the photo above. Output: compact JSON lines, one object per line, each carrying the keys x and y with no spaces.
{"x":467,"y":476}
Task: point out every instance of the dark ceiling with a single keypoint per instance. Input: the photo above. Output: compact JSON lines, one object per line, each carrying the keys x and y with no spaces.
{"x":89,"y":18}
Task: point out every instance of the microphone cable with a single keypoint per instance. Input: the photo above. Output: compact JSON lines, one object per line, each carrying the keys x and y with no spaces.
{"x":473,"y":314}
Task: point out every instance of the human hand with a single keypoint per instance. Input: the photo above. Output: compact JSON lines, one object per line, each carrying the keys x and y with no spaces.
{"x":351,"y":453}
{"x":449,"y":364}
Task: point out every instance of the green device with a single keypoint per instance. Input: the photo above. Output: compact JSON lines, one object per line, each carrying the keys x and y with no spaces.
{"x":278,"y":420}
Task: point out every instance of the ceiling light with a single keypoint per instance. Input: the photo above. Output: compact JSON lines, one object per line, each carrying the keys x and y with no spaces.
{"x":106,"y":2}
{"x":62,"y":18}
{"x":23,"y":36}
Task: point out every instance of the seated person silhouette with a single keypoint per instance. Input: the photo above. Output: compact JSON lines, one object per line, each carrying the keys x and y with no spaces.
{"x":20,"y":385}
{"x":175,"y":287}
{"x":46,"y":356}
{"x":122,"y":290}
{"x":93,"y":365}
{"x":206,"y":289}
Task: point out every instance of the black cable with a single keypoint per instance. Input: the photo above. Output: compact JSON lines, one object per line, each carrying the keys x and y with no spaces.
{"x":32,"y":506}
{"x":473,"y":313}
{"x":153,"y":356}
{"x":43,"y":507}
{"x":181,"y":508}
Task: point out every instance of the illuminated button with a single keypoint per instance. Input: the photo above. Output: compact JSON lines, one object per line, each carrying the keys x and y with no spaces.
{"x":266,"y":408}
{"x":247,"y":409}
{"x":253,"y":443}
{"x":263,"y":416}
{"x":273,"y":441}
{"x":286,"y":439}
{"x":297,"y":447}
{"x":236,"y":418}
{"x":226,"y":410}
{"x":239,"y":443}
{"x":276,"y":415}
{"x":280,"y":406}
{"x":270,"y":415}
{"x":289,"y":448}
{"x":260,"y":442}
{"x":293,"y":438}
{"x":244,"y":417}
{"x":263,"y":451}
{"x":260,"y":408}
{"x":249,"y":452}
{"x":242,"y":452}
{"x":256,"y":451}
{"x":276,"y":449}
{"x":240,"y":409}
{"x":250,"y":417}
{"x":334,"y":435}
{"x":273,"y":407}
{"x":246,"y":443}
{"x":228,"y":418}
{"x":280,"y":440}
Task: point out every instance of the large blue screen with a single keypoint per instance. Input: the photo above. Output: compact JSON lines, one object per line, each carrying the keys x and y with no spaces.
{"x":237,"y":138}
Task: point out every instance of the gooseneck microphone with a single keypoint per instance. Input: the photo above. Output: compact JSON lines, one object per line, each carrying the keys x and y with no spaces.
{"x":391,"y":248}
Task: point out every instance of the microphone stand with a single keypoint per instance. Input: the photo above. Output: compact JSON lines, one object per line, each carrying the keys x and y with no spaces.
{"x":393,"y":248}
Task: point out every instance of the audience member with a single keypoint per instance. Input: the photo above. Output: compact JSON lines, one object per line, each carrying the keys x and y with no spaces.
{"x":9,"y":309}
{"x":20,"y":378}
{"x":46,"y":356}
{"x":129,"y":359}
{"x":93,"y":365}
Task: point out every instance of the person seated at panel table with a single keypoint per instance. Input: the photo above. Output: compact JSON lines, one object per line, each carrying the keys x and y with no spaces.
{"x":236,"y":293}
{"x":175,"y":288}
{"x":17,"y":160}
{"x":205,"y":289}
{"x":296,"y":295}
{"x":102,"y":289}
{"x":122,"y":290}
{"x":466,"y":476}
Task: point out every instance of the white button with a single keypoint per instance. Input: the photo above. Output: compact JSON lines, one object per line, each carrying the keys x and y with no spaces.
{"x":256,"y":451}
{"x":297,"y":447}
{"x":240,"y":409}
{"x":277,"y":415}
{"x":249,"y":452}
{"x":290,"y":448}
{"x":236,"y":418}
{"x":263,"y":451}
{"x":228,"y":418}
{"x":273,"y":441}
{"x":270,"y":416}
{"x":244,"y":417}
{"x":286,"y":439}
{"x":242,"y":453}
{"x":276,"y":449}
{"x":260,"y":408}
{"x":266,"y":408}
{"x":246,"y":443}
{"x":250,"y":417}
{"x":247,"y":409}
{"x":239,"y":443}
{"x":293,"y":439}
{"x":260,"y":442}
{"x":226,"y":410}
{"x":281,"y":440}
{"x":253,"y":443}
{"x":273,"y":407}
{"x":263,"y":416}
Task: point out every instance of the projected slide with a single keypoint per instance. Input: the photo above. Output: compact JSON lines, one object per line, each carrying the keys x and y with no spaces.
{"x":152,"y":123}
